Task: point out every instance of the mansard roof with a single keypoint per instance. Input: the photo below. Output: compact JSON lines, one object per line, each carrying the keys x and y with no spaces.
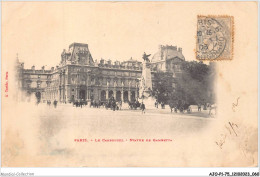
{"x":166,"y":53}
{"x":78,"y":44}
{"x":78,"y":53}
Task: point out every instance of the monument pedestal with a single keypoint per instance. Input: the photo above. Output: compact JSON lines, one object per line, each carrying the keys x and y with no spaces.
{"x":146,"y":80}
{"x":145,"y":91}
{"x":149,"y":102}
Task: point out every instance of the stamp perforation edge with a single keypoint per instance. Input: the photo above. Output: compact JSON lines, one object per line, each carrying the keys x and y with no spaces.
{"x":232,"y":32}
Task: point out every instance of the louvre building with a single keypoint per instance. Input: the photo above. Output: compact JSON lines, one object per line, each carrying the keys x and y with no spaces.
{"x":79,"y":77}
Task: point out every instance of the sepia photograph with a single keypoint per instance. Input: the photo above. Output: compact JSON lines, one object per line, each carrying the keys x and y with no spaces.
{"x":129,"y":84}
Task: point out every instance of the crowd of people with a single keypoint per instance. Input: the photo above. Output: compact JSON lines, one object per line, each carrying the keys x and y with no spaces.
{"x":114,"y":105}
{"x":55,"y":103}
{"x":111,"y":103}
{"x":182,"y":106}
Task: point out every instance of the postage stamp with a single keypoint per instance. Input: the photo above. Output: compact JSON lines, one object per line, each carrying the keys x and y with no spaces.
{"x":215,"y":37}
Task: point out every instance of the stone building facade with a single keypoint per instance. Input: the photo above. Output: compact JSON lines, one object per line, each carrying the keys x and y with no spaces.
{"x":168,"y":59}
{"x":79,"y":77}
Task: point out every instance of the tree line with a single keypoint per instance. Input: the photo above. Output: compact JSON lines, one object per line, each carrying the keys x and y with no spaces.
{"x":193,"y":85}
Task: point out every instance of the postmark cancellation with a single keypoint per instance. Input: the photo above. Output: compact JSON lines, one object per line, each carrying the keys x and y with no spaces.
{"x":215,"y":37}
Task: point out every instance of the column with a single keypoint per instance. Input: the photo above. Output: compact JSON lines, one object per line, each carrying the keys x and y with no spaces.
{"x":64,"y":86}
{"x":122,"y":94}
{"x":68,"y":93}
{"x":87,"y":91}
{"x":114,"y":92}
{"x":77,"y":93}
{"x":107,"y":94}
{"x":99,"y":94}
{"x":60,"y":82}
{"x":129,"y":88}
{"x":129,"y":95}
{"x":95,"y":93}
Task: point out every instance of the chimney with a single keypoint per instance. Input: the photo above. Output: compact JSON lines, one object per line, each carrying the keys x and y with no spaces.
{"x":33,"y":67}
{"x":43,"y":67}
{"x":22,"y":65}
{"x":52,"y":69}
{"x":57,"y":67}
{"x":96,"y":63}
{"x":180,"y":49}
{"x":102,"y":61}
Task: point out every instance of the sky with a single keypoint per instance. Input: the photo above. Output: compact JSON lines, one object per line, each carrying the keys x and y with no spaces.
{"x":39,"y":31}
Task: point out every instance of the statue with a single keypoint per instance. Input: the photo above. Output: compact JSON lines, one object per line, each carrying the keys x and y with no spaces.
{"x":145,"y":57}
{"x":146,"y":79}
{"x":145,"y":86}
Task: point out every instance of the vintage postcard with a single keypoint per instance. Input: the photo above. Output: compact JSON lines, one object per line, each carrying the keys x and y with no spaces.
{"x":129,"y":84}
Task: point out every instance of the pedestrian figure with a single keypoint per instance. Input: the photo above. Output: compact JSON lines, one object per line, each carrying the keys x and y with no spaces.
{"x":55,"y":103}
{"x":113,"y":105}
{"x":120,"y":105}
{"x":81,"y":103}
{"x":171,"y":105}
{"x":143,"y":108}
{"x":189,"y":110}
{"x":99,"y":103}
{"x":205,"y":106}
{"x":199,"y":107}
{"x":175,"y":109}
{"x":212,"y":107}
{"x":162,"y":105}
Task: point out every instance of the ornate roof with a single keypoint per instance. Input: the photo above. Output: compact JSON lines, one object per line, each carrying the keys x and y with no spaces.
{"x":166,"y":53}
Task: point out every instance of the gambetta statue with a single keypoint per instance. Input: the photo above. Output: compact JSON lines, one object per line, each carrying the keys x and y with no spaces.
{"x":145,"y":57}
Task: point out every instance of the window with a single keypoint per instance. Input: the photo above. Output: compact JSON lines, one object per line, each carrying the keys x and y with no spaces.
{"x":178,"y":68}
{"x":108,"y":81}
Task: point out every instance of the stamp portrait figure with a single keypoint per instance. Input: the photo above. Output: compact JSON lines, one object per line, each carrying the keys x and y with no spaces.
{"x":214,"y":38}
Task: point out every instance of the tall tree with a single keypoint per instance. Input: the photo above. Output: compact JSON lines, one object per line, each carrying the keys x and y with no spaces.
{"x":162,"y":86}
{"x":195,"y":84}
